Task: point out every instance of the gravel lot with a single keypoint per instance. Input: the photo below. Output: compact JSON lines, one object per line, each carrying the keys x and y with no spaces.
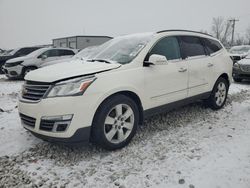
{"x":192,"y":146}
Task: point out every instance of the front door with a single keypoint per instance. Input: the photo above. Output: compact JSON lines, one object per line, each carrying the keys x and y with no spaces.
{"x":166,"y":83}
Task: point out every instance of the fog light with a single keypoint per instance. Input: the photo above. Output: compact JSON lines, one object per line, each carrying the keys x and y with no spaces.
{"x":55,"y":123}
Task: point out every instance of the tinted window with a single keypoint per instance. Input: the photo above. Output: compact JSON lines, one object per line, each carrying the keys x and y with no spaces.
{"x":51,"y":53}
{"x":192,"y":46}
{"x":168,"y":47}
{"x":25,"y":51}
{"x":66,"y":52}
{"x":212,"y":46}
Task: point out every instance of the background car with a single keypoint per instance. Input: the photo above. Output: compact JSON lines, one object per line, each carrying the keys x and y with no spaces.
{"x":83,"y":54}
{"x":19,"y":52}
{"x":241,"y":69}
{"x":19,"y":67}
{"x":239,"y":52}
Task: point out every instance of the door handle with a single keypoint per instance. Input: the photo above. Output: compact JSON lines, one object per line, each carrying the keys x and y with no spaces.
{"x":182,"y":69}
{"x":210,"y":64}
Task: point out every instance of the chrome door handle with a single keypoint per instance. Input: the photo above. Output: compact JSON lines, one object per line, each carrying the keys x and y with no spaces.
{"x":182,"y":70}
{"x":210,"y":64}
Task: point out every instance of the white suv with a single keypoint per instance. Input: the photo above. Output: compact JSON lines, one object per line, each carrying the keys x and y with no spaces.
{"x":104,"y":99}
{"x":20,"y":66}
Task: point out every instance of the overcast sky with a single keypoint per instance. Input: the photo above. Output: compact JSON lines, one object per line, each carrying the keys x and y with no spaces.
{"x":31,"y":22}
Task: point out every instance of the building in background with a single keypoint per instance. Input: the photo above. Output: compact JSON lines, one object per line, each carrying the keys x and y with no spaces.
{"x":80,"y":42}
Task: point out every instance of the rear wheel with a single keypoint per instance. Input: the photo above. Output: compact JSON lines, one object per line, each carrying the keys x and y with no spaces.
{"x":115,"y":122}
{"x":218,"y":96}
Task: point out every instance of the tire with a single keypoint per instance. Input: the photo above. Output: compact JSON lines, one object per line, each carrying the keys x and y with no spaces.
{"x":27,"y":70}
{"x":218,"y":96}
{"x":115,"y":122}
{"x":237,"y":79}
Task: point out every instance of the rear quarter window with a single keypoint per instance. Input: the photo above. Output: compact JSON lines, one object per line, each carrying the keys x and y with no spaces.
{"x":212,"y":46}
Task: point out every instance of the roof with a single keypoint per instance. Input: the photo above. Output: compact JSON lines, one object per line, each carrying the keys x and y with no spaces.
{"x":97,"y":36}
{"x":174,"y":30}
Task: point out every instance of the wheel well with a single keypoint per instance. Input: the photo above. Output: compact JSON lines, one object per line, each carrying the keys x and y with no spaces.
{"x":135,"y":98}
{"x":25,"y":67}
{"x":225,"y":76}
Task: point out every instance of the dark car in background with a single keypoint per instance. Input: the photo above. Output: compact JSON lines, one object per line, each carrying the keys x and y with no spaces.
{"x":241,"y":70}
{"x":16,"y":53}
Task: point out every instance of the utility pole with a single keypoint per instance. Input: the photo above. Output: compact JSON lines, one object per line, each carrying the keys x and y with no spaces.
{"x":233,"y":21}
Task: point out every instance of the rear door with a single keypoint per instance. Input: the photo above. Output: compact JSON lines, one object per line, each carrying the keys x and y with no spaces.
{"x":199,"y":64}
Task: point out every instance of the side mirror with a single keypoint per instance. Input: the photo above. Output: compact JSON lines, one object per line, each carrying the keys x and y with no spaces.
{"x":156,"y":60}
{"x":43,"y":57}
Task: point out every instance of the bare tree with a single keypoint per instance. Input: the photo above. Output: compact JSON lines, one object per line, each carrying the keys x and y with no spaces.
{"x":239,"y":40}
{"x":221,"y":29}
{"x":248,"y":35}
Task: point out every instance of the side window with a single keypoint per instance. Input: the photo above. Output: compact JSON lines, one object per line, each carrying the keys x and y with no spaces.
{"x":212,"y":46}
{"x":51,"y":53}
{"x":168,"y":47}
{"x":66,"y":52}
{"x":192,"y":46}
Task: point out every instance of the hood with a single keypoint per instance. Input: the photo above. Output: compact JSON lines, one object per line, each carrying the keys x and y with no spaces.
{"x":17,"y":59}
{"x":67,"y":70}
{"x":244,"y":62}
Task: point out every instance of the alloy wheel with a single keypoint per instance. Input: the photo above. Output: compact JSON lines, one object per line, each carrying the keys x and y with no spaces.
{"x":119,"y":123}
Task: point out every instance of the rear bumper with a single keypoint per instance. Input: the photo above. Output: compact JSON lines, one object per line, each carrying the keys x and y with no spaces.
{"x":81,"y":135}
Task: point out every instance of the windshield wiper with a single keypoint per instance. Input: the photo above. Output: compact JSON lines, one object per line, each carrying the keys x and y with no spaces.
{"x":100,"y":60}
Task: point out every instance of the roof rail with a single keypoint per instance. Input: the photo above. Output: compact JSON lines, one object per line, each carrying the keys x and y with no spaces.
{"x":184,"y":31}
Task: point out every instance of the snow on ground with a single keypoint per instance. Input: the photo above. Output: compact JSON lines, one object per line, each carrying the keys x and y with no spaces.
{"x":189,"y":147}
{"x":13,"y":138}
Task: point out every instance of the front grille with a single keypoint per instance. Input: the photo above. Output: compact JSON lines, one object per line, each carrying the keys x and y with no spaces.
{"x":245,"y":68}
{"x":34,"y":91}
{"x":28,"y":121}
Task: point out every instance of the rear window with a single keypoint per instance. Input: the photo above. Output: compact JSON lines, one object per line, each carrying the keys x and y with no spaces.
{"x":212,"y":46}
{"x":192,"y":46}
{"x":66,"y":52}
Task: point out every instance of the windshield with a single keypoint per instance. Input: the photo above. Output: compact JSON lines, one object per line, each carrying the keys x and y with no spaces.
{"x":121,"y":49}
{"x":85,"y":53}
{"x":12,"y":52}
{"x":239,"y":49}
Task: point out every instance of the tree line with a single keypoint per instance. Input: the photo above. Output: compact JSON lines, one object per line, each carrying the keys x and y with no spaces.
{"x":222,"y":29}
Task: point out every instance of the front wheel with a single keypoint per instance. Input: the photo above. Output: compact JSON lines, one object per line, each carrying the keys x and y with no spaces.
{"x":218,"y":96}
{"x":115,"y":122}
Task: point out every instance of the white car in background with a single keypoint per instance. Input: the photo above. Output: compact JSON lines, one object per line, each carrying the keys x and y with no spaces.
{"x":83,"y":54}
{"x":19,"y":67}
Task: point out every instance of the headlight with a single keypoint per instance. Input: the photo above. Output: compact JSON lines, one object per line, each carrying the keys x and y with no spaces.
{"x":13,"y":64}
{"x":72,"y":87}
{"x":236,"y":65}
